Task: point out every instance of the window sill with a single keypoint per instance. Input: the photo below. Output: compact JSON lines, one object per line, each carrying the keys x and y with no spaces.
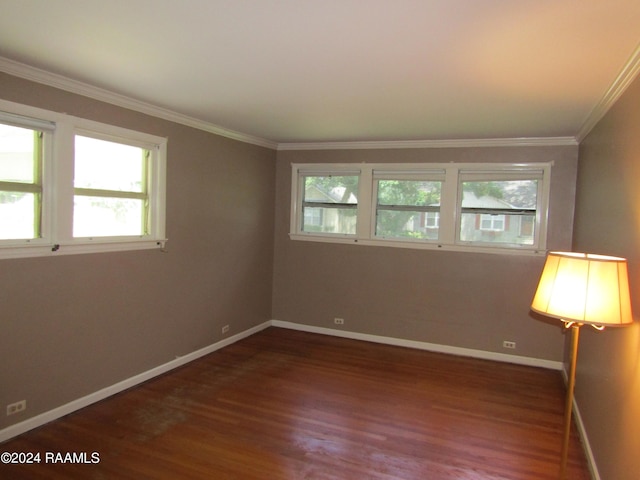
{"x":38,"y":249}
{"x":420,"y":245}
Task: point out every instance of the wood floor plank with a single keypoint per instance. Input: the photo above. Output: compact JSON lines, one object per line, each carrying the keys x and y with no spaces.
{"x":290,"y":405}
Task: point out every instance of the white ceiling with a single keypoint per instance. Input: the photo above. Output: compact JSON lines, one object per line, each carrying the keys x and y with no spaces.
{"x":291,"y":71}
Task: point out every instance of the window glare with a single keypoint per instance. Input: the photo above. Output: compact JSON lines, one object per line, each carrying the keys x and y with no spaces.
{"x":71,"y":185}
{"x":101,"y":217}
{"x":17,"y":215}
{"x":17,"y":147}
{"x":108,"y":165}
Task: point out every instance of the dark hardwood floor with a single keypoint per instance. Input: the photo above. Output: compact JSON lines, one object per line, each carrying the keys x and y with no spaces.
{"x":284,"y":404}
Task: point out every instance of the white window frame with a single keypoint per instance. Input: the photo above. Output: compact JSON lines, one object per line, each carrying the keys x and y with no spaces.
{"x":58,"y":189}
{"x":297,"y":207}
{"x":488,"y":172}
{"x":450,"y":203}
{"x":425,"y":175}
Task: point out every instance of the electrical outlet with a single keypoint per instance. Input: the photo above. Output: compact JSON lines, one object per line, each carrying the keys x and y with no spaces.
{"x":225,"y":329}
{"x":17,"y":407}
{"x":338,"y":321}
{"x":508,"y":344}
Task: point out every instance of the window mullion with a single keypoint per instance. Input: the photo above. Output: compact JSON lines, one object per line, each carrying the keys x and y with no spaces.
{"x":63,"y":152}
{"x":366,"y":204}
{"x":542,"y":209}
{"x":448,"y":206}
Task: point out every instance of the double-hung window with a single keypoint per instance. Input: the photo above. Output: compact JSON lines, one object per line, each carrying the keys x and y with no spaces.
{"x":111,"y":193}
{"x":500,"y":207}
{"x":481,"y":207}
{"x":328,"y":202}
{"x":21,"y":155}
{"x":70,"y":185}
{"x":407,"y":204}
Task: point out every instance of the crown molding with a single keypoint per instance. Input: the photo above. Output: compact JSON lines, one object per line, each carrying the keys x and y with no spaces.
{"x":460,"y":143}
{"x":626,"y":76}
{"x":64,"y":83}
{"x":61,"y":82}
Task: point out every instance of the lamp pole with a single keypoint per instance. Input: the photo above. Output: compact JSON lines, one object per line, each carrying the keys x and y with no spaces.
{"x":575,"y":334}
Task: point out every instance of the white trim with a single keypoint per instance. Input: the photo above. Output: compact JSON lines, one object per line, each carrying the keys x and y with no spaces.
{"x":626,"y":76}
{"x":58,"y":412}
{"x":460,"y":143}
{"x":44,"y":77}
{"x":58,"y":193}
{"x":64,"y":83}
{"x":431,"y":347}
{"x":449,"y":204}
{"x":61,"y":411}
{"x":418,"y":245}
{"x":37,"y":248}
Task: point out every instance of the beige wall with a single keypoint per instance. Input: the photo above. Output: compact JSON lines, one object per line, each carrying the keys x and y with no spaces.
{"x":72,"y":325}
{"x":466,"y":300}
{"x":608,"y":222}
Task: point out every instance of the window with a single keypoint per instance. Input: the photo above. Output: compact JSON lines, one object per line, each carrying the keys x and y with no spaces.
{"x":499,"y":207}
{"x":329,"y":203}
{"x":481,"y":207}
{"x":110,"y":188}
{"x":69,"y":185}
{"x":492,"y":222}
{"x":407,"y":206}
{"x":432,"y":220}
{"x":20,"y":182}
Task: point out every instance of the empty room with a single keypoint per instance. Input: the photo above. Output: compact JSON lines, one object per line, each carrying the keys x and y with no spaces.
{"x":320,"y":240}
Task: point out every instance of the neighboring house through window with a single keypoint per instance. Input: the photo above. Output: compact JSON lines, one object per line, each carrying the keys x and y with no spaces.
{"x":497,"y":207}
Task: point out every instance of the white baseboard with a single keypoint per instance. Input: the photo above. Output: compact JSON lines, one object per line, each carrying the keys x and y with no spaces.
{"x":431,"y":347}
{"x":58,"y":412}
{"x":46,"y":417}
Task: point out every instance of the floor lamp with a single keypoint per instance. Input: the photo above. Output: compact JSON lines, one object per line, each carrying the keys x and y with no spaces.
{"x":582,"y":289}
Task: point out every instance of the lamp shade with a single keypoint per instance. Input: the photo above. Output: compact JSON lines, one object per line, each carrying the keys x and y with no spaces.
{"x":584,"y":288}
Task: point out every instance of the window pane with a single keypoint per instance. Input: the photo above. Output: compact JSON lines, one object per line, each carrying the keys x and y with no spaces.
{"x":102,"y":216}
{"x":329,"y":204}
{"x":485,"y":211}
{"x":330,"y":220}
{"x":107,"y":165}
{"x":406,"y":224}
{"x":18,"y":215}
{"x":409,"y":192}
{"x":513,"y":229}
{"x":396,"y":219}
{"x":502,"y":194}
{"x":17,"y":154}
{"x":331,"y":189}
